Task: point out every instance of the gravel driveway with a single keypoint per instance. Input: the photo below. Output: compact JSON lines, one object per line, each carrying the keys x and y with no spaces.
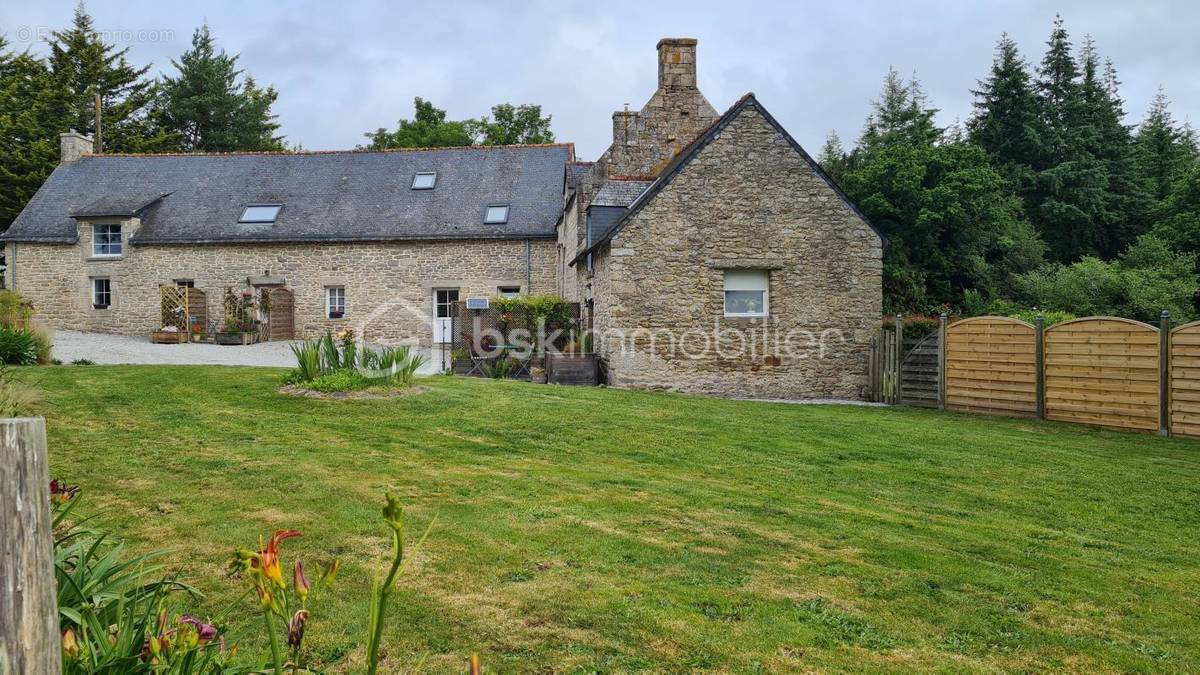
{"x":119,"y":349}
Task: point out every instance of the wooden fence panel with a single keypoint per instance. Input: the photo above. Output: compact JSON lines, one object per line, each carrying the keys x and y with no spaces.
{"x":919,"y":373}
{"x":991,"y":367}
{"x":1185,"y":380}
{"x":1104,"y":371}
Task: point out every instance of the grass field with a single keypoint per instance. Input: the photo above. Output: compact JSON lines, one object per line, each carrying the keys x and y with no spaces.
{"x":604,"y":530}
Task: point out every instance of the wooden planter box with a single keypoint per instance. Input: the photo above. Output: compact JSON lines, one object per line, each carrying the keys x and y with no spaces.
{"x":461,"y":366}
{"x":168,"y":337}
{"x":577,"y":369}
{"x":235,"y":338}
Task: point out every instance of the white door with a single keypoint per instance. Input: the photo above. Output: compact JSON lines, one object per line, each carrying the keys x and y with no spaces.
{"x":443,"y":308}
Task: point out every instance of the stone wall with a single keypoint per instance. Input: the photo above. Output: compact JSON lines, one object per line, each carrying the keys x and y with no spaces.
{"x":747,"y":200}
{"x":389,"y":285}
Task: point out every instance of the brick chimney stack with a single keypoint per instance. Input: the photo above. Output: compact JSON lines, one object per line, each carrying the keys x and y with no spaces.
{"x":676,"y":63}
{"x":73,"y":145}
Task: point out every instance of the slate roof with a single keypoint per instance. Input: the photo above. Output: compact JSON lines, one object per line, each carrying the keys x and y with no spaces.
{"x":615,"y":192}
{"x":680,"y":161}
{"x":576,"y":171}
{"x":326,"y":196}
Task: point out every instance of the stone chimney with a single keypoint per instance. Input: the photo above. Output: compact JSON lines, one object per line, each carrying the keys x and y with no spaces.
{"x":644,"y":141}
{"x":73,"y":145}
{"x":676,"y":63}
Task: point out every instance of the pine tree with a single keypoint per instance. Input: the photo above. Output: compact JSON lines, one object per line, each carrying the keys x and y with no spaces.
{"x":28,"y":130}
{"x":1006,"y":123}
{"x":1068,"y":201}
{"x":833,"y":157}
{"x":1165,"y":149}
{"x":83,"y":65}
{"x":207,"y":109}
{"x":900,"y":115}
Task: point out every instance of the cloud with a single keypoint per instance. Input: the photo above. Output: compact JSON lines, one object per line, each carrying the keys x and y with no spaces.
{"x":346,"y":68}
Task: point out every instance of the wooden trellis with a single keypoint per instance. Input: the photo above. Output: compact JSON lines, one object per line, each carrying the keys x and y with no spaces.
{"x":183,"y":307}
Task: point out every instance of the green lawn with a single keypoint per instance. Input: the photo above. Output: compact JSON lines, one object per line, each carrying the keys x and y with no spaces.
{"x":603,"y":530}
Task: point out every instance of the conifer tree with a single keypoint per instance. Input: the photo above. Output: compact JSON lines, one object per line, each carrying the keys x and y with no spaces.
{"x":207,"y":109}
{"x":1006,"y":123}
{"x":83,"y":65}
{"x":28,"y":130}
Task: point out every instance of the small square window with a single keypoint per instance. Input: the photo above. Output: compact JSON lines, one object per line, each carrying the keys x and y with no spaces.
{"x":509,"y":291}
{"x":335,"y":302}
{"x":424,"y":181}
{"x":260,"y":213}
{"x":101,"y":293}
{"x":106,"y":240}
{"x":746,"y":293}
{"x":496,"y":215}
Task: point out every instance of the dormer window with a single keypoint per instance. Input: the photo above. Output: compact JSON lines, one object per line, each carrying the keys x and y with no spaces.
{"x":424,"y":180}
{"x":496,"y":214}
{"x":260,"y":213}
{"x":106,"y":240}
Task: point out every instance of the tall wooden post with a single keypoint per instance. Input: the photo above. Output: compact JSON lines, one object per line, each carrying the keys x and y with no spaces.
{"x":899,"y":359}
{"x":29,"y":639}
{"x":1039,"y":364}
{"x":942,"y":361}
{"x":1164,"y":373}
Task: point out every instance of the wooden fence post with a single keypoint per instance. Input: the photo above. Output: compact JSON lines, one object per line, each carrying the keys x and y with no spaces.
{"x":942,"y":361}
{"x":899,"y":359}
{"x":1039,"y":364}
{"x":1164,"y":373}
{"x":29,"y":639}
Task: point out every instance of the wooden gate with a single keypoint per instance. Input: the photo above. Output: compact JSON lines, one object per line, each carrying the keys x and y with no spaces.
{"x":884,"y":366}
{"x":1105,"y":371}
{"x":282,"y":316}
{"x":919,"y":372}
{"x":991,"y":366}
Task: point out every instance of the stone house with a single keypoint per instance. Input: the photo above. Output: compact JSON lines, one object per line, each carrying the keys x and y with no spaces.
{"x":710,"y":252}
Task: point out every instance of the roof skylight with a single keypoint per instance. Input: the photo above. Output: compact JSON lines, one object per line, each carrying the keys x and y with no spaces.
{"x":424,"y":180}
{"x":496,"y":214}
{"x":260,"y":213}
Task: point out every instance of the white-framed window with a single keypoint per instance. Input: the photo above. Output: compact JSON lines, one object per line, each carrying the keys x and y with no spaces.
{"x":509,"y":291}
{"x":335,"y":302}
{"x":746,"y":292}
{"x":496,"y":214}
{"x":444,"y":299}
{"x":425,"y":180}
{"x":106,"y":240}
{"x":101,"y":293}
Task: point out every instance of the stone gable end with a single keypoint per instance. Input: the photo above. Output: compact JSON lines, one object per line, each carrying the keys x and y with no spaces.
{"x":746,"y":200}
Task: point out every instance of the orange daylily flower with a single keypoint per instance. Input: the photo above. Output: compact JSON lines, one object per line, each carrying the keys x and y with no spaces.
{"x":269,"y":557}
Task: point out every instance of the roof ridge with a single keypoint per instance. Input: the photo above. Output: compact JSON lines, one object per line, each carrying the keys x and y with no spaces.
{"x":300,"y":153}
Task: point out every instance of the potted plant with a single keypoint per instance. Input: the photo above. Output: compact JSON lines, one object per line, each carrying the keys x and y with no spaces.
{"x":236,"y":331}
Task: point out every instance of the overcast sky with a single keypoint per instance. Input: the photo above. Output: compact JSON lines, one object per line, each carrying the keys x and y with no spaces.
{"x":343,"y":68}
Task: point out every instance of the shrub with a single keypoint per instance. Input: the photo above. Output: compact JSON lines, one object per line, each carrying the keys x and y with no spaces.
{"x":15,"y":311}
{"x":83,"y":362}
{"x":1144,"y":280}
{"x":340,"y":380}
{"x":18,"y":347}
{"x":339,"y":363}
